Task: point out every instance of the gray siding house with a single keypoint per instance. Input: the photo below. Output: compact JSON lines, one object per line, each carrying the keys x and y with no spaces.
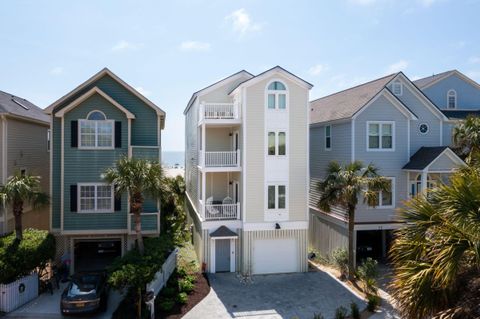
{"x":402,"y":127}
{"x":24,"y":148}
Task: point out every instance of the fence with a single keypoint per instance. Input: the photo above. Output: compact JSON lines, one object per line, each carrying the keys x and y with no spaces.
{"x":162,"y":276}
{"x":18,"y":293}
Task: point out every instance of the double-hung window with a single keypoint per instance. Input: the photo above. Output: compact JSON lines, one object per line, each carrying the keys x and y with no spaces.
{"x":385,"y":199}
{"x":95,"y":198}
{"x":96,"y":131}
{"x":328,"y":137}
{"x":277,"y":197}
{"x":276,"y":96}
{"x":397,"y":88}
{"x":380,"y":136}
{"x":277,"y":143}
{"x":452,"y":99}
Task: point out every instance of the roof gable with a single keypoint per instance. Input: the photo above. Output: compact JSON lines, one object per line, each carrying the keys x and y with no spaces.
{"x":19,"y":107}
{"x":425,"y":157}
{"x":429,"y":81}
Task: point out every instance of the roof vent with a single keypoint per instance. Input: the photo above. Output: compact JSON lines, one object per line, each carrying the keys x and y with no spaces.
{"x":20,"y":103}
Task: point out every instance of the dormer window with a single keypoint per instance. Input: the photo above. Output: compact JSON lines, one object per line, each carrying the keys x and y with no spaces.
{"x":397,"y":88}
{"x":96,"y":132}
{"x":276,"y":96}
{"x":452,"y":99}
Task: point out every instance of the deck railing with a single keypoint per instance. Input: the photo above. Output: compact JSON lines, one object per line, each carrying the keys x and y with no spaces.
{"x":222,"y":211}
{"x":218,"y":111}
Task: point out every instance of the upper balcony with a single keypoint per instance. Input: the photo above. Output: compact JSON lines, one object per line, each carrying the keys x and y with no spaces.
{"x":220,"y":161}
{"x":219,"y":113}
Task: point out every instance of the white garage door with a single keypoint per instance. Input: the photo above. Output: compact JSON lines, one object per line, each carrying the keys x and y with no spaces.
{"x":275,"y":256}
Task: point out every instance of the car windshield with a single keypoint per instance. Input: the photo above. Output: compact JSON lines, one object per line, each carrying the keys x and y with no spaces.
{"x":83,"y":285}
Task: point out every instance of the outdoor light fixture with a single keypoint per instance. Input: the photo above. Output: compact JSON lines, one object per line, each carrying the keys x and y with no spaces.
{"x":277,"y":226}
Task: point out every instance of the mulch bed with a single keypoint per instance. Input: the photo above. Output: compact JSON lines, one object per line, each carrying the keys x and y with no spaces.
{"x":202,"y":288}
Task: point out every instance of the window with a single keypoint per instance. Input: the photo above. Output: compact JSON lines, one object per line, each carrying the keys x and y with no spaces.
{"x":277,"y":197}
{"x":385,"y":198}
{"x":95,"y":198}
{"x":96,"y":131}
{"x":423,"y":128}
{"x":277,"y":143}
{"x":452,"y":99}
{"x":276,"y":96}
{"x":397,"y":88}
{"x":380,"y":136}
{"x":48,"y":140}
{"x":328,"y":137}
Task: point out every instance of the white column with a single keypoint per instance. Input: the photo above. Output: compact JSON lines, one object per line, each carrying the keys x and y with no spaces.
{"x":424,"y":181}
{"x":204,"y":184}
{"x":204,"y":147}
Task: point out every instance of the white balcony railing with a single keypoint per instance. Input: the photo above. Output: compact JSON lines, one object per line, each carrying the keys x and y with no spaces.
{"x":220,"y":159}
{"x":218,"y":111}
{"x":222,"y":211}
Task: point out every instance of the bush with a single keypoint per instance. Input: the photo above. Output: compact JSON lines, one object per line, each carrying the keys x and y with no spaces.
{"x":190,"y":278}
{"x":19,"y":258}
{"x":318,"y":316}
{"x":354,"y":311}
{"x":185,"y":286}
{"x":340,"y":313}
{"x":166,"y":304}
{"x":367,"y":272}
{"x":182,"y":298}
{"x":169,"y":291}
{"x":373,"y":302}
{"x":340,"y":260}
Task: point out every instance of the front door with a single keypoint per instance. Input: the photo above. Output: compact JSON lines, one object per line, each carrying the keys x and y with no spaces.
{"x":222,"y":255}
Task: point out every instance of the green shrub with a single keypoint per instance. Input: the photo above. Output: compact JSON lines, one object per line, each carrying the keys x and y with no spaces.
{"x":340,"y":260}
{"x":185,"y":286}
{"x":318,"y":316}
{"x":354,"y":311}
{"x":367,"y":272}
{"x":190,"y":278}
{"x":166,"y":304}
{"x":19,"y":258}
{"x":340,"y":313}
{"x":373,"y":302}
{"x":169,"y":291}
{"x":182,"y":298}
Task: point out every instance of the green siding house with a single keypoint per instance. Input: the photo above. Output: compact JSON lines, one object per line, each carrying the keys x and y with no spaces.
{"x":92,"y":127}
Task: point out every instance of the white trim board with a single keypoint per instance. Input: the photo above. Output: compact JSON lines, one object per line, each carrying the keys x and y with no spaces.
{"x":271,"y":225}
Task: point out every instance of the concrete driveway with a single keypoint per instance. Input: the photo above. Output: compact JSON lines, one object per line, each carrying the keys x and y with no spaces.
{"x":48,"y":306}
{"x":298,"y":295}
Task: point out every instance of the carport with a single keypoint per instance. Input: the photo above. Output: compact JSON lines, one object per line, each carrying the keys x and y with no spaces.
{"x":95,"y":254}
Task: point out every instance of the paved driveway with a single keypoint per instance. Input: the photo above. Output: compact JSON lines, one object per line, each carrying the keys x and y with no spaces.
{"x":48,"y":306}
{"x":273,"y":296}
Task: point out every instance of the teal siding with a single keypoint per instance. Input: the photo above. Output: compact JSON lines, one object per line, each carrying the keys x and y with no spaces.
{"x":152,"y":154}
{"x":149,"y":222}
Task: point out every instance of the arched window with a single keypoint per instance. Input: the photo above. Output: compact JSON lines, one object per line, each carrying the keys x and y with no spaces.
{"x":96,"y":131}
{"x":452,"y":99}
{"x":276,"y":96}
{"x":96,"y":116}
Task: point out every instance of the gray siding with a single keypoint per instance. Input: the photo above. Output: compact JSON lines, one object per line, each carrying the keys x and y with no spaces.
{"x":325,"y":236}
{"x":468,"y":95}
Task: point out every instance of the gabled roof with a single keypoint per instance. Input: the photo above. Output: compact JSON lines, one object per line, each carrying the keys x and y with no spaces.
{"x":214,"y":85}
{"x":223,"y":231}
{"x":99,"y":75}
{"x":431,"y":80}
{"x":266,"y":73}
{"x":427,"y":155}
{"x":344,"y":104}
{"x":14,"y":105}
{"x":460,"y":114}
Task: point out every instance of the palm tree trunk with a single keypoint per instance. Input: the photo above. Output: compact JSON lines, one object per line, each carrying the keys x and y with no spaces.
{"x":17,"y":213}
{"x":136,"y":205}
{"x":351,"y":234}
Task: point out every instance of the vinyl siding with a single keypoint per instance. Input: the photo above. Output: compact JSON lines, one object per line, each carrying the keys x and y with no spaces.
{"x":191,"y":154}
{"x":443,"y":163}
{"x":325,"y":236}
{"x":468,"y":96}
{"x":56,"y":172}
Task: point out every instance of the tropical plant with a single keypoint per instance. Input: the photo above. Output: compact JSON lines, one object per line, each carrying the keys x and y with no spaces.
{"x":340,"y":260}
{"x":466,"y":137}
{"x":436,"y":256}
{"x":354,"y":311}
{"x":367,"y":272}
{"x":19,"y":190}
{"x":373,"y":301}
{"x":342,"y":186}
{"x":138,"y":178}
{"x":340,"y":313}
{"x":174,"y":216}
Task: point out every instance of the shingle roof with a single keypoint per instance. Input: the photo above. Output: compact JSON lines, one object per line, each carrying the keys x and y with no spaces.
{"x":223,"y":231}
{"x":424,"y":156}
{"x":15,"y":105}
{"x":460,"y":114}
{"x":429,"y":79}
{"x":346,"y":103}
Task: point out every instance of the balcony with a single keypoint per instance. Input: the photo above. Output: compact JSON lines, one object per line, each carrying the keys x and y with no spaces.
{"x":219,"y":113}
{"x":216,"y":211}
{"x":151,"y":153}
{"x":228,"y":159}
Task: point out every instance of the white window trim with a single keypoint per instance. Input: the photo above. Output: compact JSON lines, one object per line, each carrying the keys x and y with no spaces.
{"x":276,"y":155}
{"x":89,"y":113}
{"x":276,"y":93}
{"x":448,"y":99}
{"x":49,"y":140}
{"x":276,"y":209}
{"x":330,"y":136}
{"x":380,"y":149}
{"x":400,"y":84}
{"x":380,"y":206}
{"x":112,"y":210}
{"x":112,"y":122}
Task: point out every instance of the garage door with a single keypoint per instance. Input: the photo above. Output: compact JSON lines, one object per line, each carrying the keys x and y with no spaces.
{"x":95,"y":255}
{"x":275,"y":256}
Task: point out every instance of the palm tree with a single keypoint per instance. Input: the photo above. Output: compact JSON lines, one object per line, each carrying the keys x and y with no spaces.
{"x":466,"y":138}
{"x":436,"y":256}
{"x":342,"y":186}
{"x":19,"y":190}
{"x":138,"y":178}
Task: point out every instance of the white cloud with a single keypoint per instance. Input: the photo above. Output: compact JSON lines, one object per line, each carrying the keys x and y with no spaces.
{"x":397,"y":67}
{"x":317,"y":69}
{"x":195,"y":46}
{"x":56,"y":70}
{"x":142,"y":91}
{"x":125,"y":45}
{"x":242,"y":23}
{"x":474,"y":59}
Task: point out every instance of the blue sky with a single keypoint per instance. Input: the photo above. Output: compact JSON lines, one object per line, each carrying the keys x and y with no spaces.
{"x":169,"y":49}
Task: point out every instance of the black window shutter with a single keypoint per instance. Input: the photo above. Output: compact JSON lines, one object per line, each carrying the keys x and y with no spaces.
{"x":118,"y":134}
{"x":118,"y":203}
{"x":73,"y":198}
{"x":74,"y":133}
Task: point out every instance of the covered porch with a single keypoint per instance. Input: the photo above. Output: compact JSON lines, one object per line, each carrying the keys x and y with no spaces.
{"x":220,"y":195}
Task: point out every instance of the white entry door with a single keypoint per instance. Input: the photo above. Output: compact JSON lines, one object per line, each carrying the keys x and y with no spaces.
{"x":272,"y":256}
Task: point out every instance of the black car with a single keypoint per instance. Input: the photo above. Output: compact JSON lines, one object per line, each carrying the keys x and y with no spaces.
{"x":87,"y":292}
